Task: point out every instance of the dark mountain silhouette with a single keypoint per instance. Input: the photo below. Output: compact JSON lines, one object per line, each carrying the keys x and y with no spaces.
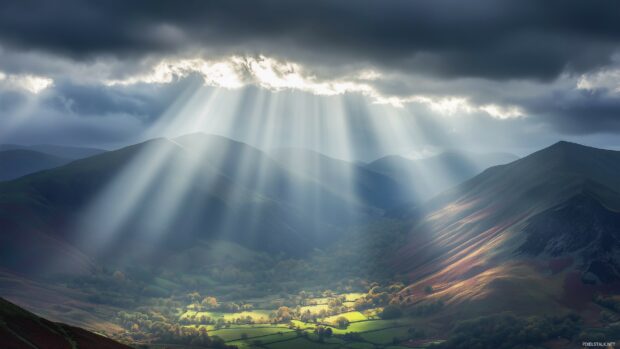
{"x":20,"y":329}
{"x":20,"y":162}
{"x":68,"y":152}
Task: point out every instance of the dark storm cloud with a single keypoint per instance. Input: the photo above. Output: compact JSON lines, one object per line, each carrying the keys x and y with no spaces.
{"x":143,"y":101}
{"x":579,"y":111}
{"x":448,"y":38}
{"x":524,"y":53}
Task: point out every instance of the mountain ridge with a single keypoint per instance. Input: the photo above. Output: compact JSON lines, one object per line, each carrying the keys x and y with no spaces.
{"x":472,"y":234}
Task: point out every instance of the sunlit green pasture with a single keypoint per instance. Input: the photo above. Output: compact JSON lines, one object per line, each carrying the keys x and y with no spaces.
{"x":314,"y":308}
{"x":256,"y":315}
{"x":249,"y":331}
{"x":352,"y":316}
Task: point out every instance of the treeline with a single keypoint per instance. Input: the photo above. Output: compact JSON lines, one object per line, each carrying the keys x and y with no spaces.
{"x":507,"y":331}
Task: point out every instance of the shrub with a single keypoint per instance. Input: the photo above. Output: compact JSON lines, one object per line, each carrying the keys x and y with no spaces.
{"x":391,"y":311}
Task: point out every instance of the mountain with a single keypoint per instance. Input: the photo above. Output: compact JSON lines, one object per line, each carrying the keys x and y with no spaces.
{"x":20,"y":162}
{"x":350,"y":180}
{"x":424,"y":178}
{"x":61,"y":151}
{"x":538,"y":234}
{"x":20,"y":329}
{"x":161,"y":195}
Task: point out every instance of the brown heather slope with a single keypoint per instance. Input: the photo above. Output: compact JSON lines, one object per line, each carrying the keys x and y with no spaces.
{"x":518,"y":236}
{"x":22,"y":329}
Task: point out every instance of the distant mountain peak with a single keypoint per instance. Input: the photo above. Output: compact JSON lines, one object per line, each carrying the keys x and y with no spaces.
{"x":573,"y":147}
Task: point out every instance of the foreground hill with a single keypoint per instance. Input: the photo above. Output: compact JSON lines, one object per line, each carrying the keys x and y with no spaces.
{"x":20,"y":329}
{"x":20,"y":162}
{"x":161,"y":195}
{"x":538,"y":234}
{"x":427,"y":177}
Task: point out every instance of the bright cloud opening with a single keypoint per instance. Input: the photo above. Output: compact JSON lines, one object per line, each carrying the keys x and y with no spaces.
{"x":31,"y":83}
{"x":276,"y":75}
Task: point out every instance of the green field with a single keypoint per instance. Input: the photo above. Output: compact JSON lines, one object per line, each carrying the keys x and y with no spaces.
{"x":301,"y":343}
{"x":352,"y":316}
{"x":256,"y":315}
{"x":373,"y":334}
{"x":386,"y":336}
{"x":251,"y":331}
{"x":314,"y":308}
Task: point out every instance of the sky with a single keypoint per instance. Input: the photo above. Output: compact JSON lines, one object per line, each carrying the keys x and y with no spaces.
{"x":374,"y":77}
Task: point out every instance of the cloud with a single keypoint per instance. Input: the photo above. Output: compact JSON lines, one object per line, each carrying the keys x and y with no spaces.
{"x":607,"y":79}
{"x":493,"y":39}
{"x":269,"y":73}
{"x":27,"y":82}
{"x":486,"y":66}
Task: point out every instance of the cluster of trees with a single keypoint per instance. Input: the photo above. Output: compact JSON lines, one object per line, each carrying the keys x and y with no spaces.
{"x":611,"y":303}
{"x":391,"y":311}
{"x":427,"y":308}
{"x":156,"y":326}
{"x":192,"y":336}
{"x":201,"y":319}
{"x":378,"y":296}
{"x":199,"y":303}
{"x":505,"y":331}
{"x":323,"y":331}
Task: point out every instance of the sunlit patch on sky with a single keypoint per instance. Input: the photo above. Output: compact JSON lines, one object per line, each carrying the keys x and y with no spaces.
{"x":31,"y":83}
{"x":276,"y":75}
{"x":608,"y":79}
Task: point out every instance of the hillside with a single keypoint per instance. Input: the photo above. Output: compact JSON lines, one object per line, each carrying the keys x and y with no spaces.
{"x":180,"y":190}
{"x":20,"y":329}
{"x":424,"y":178}
{"x":67,"y":152}
{"x":20,"y":162}
{"x":355,"y":181}
{"x":536,"y":224}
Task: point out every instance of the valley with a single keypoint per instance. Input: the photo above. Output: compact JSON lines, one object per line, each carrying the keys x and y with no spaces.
{"x":382,"y":273}
{"x":309,"y":174}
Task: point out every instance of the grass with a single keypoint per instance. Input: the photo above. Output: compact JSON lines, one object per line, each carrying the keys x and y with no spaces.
{"x":303,"y":325}
{"x":360,"y":345}
{"x":264,"y":340}
{"x":236,"y":333}
{"x":386,"y":336}
{"x":314,"y":308}
{"x":301,"y":343}
{"x":370,"y":325}
{"x":373,"y":333}
{"x":352,"y":297}
{"x":352,"y":316}
{"x":256,"y":315}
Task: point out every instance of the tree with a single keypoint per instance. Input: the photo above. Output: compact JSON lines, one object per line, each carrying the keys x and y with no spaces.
{"x":342,"y":322}
{"x":284,"y":314}
{"x":391,"y":311}
{"x":209,"y":302}
{"x":193,"y":297}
